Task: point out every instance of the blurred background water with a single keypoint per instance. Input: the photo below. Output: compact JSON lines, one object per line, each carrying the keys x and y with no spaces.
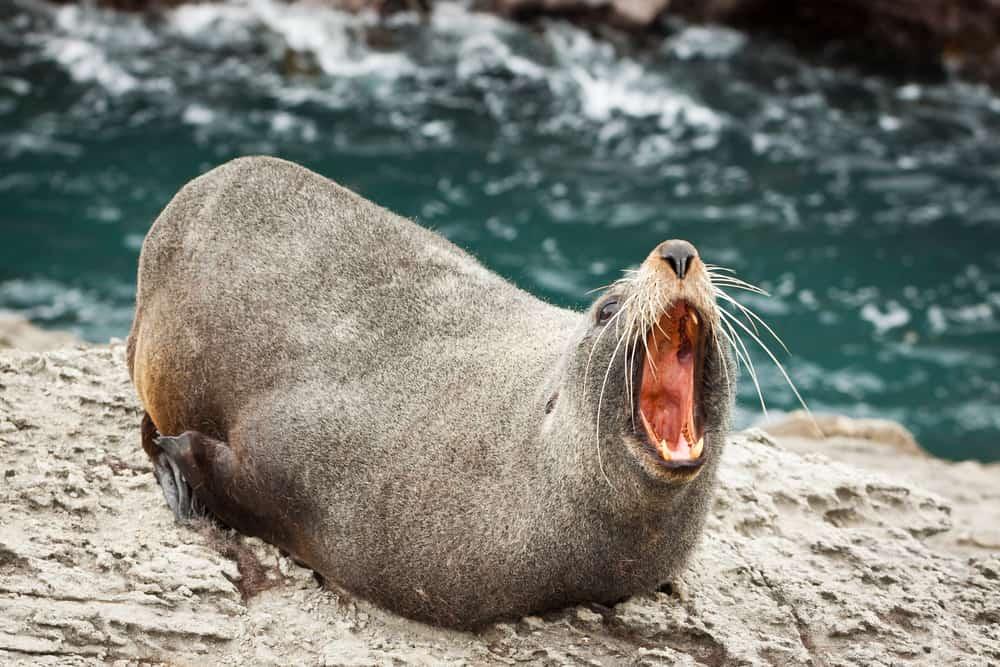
{"x":869,"y":207}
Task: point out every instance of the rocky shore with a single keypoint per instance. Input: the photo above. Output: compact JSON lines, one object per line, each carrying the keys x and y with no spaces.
{"x":921,"y":37}
{"x":17,"y":332}
{"x":829,"y":551}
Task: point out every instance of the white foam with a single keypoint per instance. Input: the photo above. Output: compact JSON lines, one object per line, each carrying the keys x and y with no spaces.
{"x":608,"y":84}
{"x":892,"y":317}
{"x":196,"y":114}
{"x":327,"y":35}
{"x":87,"y":63}
{"x":710,"y":42}
{"x":589,"y":80}
{"x":51,"y":301}
{"x":102,"y":47}
{"x":214,"y":25}
{"x":486,"y":51}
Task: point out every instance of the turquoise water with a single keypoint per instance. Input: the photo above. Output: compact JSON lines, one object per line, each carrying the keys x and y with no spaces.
{"x":869,"y":207}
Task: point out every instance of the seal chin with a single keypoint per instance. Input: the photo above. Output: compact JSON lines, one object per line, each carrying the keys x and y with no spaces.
{"x":669,"y":429}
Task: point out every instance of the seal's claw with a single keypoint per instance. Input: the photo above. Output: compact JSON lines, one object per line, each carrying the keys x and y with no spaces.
{"x":178,"y":493}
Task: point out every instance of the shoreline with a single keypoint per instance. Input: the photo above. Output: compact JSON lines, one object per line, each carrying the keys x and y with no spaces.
{"x":922,"y":39}
{"x":19,"y":333}
{"x":805,"y":559}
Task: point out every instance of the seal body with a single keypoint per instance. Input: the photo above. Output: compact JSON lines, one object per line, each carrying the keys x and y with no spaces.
{"x":359,"y":391}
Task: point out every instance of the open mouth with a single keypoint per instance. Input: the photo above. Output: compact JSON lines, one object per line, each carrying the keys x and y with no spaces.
{"x":669,"y":405}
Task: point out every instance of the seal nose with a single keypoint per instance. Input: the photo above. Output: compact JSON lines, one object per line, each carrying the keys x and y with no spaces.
{"x":679,"y":255}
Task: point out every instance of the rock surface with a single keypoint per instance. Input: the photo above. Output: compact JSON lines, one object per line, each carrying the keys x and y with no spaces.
{"x":801,"y":425}
{"x":971,"y":489}
{"x":18,"y":332}
{"x":806,"y":561}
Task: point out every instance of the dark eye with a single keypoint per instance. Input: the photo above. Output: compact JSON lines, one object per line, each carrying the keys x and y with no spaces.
{"x":608,"y":310}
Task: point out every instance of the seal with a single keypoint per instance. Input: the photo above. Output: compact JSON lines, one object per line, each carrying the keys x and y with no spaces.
{"x":330,"y":377}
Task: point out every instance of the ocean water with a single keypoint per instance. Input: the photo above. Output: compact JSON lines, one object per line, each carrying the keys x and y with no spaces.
{"x":867,"y":206}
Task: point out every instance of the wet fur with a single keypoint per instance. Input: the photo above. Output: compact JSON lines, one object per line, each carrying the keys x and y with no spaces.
{"x":382,"y":400}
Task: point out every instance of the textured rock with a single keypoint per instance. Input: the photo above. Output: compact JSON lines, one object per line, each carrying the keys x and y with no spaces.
{"x":17,"y":332}
{"x":970,"y":489}
{"x":799,"y":424}
{"x":805,"y":561}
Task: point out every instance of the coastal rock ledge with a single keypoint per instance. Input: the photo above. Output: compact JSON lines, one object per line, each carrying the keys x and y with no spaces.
{"x":806,"y":561}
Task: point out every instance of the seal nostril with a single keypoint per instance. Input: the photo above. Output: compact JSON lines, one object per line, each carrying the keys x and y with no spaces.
{"x":679,"y":255}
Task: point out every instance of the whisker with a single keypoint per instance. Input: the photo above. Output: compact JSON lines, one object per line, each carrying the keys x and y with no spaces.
{"x":747,"y":361}
{"x":600,"y":402}
{"x":729,"y":279}
{"x":720,"y":294}
{"x":777,"y":363}
{"x":716,"y":280}
{"x":750,"y":314}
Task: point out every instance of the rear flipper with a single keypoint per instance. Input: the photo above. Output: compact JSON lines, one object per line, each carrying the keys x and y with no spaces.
{"x":188,"y":468}
{"x":203,"y":477}
{"x":180,"y":497}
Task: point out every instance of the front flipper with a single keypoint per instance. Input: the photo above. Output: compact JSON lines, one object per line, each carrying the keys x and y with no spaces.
{"x":173,"y":458}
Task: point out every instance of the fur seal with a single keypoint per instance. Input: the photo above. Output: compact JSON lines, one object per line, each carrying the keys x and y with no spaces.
{"x":357,"y":390}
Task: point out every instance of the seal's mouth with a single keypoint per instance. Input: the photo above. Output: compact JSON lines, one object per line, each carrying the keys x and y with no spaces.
{"x":670,"y":420}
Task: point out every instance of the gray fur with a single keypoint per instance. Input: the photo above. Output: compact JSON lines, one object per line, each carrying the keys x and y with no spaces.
{"x":388,"y":394}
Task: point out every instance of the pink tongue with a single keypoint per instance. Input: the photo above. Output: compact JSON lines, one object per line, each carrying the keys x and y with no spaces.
{"x":683,"y":450}
{"x":667,"y":393}
{"x":675,"y":378}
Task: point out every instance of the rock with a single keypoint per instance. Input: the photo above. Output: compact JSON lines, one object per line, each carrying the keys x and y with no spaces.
{"x":637,"y":14}
{"x":17,"y":332}
{"x":799,"y":424}
{"x":805,"y":560}
{"x":634,"y":15}
{"x":927,"y":36}
{"x":957,"y":35}
{"x":970,"y":488}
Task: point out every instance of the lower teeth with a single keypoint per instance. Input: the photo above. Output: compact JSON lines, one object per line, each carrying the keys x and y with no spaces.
{"x":697,"y":449}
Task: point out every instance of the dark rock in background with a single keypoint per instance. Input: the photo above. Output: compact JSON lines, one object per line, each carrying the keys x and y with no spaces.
{"x":926,"y":37}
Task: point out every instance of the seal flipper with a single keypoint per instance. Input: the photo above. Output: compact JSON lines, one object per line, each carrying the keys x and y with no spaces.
{"x":176,"y":490}
{"x":178,"y":493}
{"x":201,"y":477}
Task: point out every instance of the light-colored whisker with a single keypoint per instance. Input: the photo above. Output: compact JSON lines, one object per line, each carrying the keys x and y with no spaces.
{"x":741,"y":349}
{"x":600,"y":402}
{"x":722,"y":275}
{"x":778,"y":364}
{"x":748,"y":313}
{"x":716,"y":281}
{"x":719,"y":294}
